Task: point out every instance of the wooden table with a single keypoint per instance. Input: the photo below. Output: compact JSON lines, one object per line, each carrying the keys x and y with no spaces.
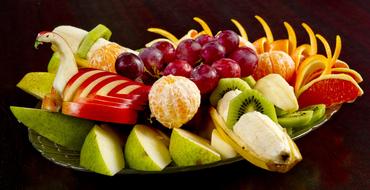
{"x":336,"y":156}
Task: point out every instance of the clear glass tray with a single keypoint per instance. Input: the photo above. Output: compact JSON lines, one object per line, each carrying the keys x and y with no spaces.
{"x":71,"y":159}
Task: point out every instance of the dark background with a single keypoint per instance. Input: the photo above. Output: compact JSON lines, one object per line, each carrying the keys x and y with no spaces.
{"x":336,"y":156}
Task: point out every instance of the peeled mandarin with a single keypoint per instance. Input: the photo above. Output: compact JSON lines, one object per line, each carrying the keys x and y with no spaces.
{"x":105,"y":57}
{"x":174,"y":100}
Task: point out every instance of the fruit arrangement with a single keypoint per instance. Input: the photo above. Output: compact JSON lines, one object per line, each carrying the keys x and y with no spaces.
{"x":257,"y":96}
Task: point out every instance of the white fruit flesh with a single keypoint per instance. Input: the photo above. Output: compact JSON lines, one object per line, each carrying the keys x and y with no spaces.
{"x":224,"y":102}
{"x":275,"y":88}
{"x":102,"y":152}
{"x":72,"y":35}
{"x":153,"y":146}
{"x":86,"y":91}
{"x":128,"y":89}
{"x":221,"y":146}
{"x":97,"y":45}
{"x":263,"y":136}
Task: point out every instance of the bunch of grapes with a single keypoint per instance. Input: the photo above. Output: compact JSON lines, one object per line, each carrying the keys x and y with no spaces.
{"x":204,"y":60}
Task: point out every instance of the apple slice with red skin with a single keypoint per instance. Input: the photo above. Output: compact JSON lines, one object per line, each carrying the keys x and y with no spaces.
{"x":74,"y":83}
{"x":136,"y":99}
{"x":86,"y":86}
{"x":123,"y":104}
{"x":100,"y":112}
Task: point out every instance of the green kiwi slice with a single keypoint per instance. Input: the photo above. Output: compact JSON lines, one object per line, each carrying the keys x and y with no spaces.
{"x":296,"y":119}
{"x":318,"y":112}
{"x":99,"y":31}
{"x":247,"y":101}
{"x":250,"y":80}
{"x":225,"y":85}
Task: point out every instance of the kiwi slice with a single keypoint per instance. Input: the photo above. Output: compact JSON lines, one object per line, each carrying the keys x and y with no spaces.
{"x":226,"y":85}
{"x":296,"y":119}
{"x":280,"y":112}
{"x":318,"y":112}
{"x":250,"y":80}
{"x":247,"y":101}
{"x":99,"y":31}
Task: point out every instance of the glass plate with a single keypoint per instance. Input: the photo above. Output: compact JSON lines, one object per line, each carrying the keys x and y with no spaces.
{"x":71,"y":159}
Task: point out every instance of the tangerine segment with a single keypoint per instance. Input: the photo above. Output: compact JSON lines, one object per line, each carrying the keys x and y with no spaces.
{"x":260,"y":45}
{"x":330,"y":90}
{"x":105,"y":57}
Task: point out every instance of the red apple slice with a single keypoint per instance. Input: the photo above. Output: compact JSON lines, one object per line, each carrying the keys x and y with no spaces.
{"x":75,"y":82}
{"x":136,"y":99}
{"x":130,"y":104}
{"x":100,"y":112}
{"x":85,"y":88}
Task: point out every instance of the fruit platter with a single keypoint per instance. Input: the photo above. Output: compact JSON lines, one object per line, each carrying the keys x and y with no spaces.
{"x":181,"y":104}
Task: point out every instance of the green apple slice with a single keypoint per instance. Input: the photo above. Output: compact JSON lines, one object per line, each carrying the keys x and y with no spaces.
{"x":54,"y":63}
{"x":188,"y":149}
{"x":100,"y":31}
{"x":67,"y":131}
{"x":146,"y":149}
{"x":226,"y":151}
{"x":38,"y":84}
{"x":102,"y":152}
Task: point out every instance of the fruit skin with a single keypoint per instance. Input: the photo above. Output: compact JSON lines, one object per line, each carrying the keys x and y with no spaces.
{"x":187,"y":149}
{"x":61,"y":129}
{"x":275,"y":89}
{"x":318,"y":112}
{"x":102,"y":152}
{"x":226,"y":151}
{"x":212,"y":51}
{"x":100,"y":112}
{"x":225,"y":85}
{"x":231,"y":138}
{"x":129,"y":65}
{"x":247,"y":60}
{"x":205,"y":77}
{"x":174,"y":100}
{"x":203,"y":39}
{"x":167,"y":50}
{"x":275,"y":62}
{"x":188,"y":50}
{"x":152,"y":59}
{"x":331,"y":89}
{"x":240,"y":105}
{"x":250,"y":80}
{"x":38,"y":84}
{"x":100,"y":31}
{"x":229,"y":39}
{"x":54,"y":63}
{"x":178,"y":68}
{"x":296,"y":119}
{"x":227,"y":68}
{"x":142,"y":144}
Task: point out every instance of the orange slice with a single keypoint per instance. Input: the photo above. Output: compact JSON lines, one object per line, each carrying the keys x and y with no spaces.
{"x":354,"y":74}
{"x":279,"y":45}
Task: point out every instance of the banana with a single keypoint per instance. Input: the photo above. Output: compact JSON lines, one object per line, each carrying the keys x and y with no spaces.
{"x":260,"y":141}
{"x":275,"y":88}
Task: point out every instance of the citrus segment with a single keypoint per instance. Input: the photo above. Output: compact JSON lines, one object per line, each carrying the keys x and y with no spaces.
{"x":105,"y":57}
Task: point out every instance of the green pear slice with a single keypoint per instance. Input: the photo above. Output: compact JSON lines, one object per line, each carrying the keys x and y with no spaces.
{"x":54,"y":63}
{"x":38,"y":84}
{"x":188,"y":149}
{"x":67,"y":131}
{"x":226,"y":150}
{"x":146,"y":149}
{"x":102,"y":152}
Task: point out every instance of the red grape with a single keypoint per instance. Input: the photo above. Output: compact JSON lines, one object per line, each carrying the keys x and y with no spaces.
{"x":247,"y":59}
{"x":227,"y":68}
{"x":203,"y":39}
{"x":212,"y":51}
{"x":167,"y":50}
{"x":152,"y":59}
{"x":188,"y":50}
{"x":205,"y":77}
{"x":178,"y":68}
{"x":129,"y":65}
{"x":229,"y":39}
